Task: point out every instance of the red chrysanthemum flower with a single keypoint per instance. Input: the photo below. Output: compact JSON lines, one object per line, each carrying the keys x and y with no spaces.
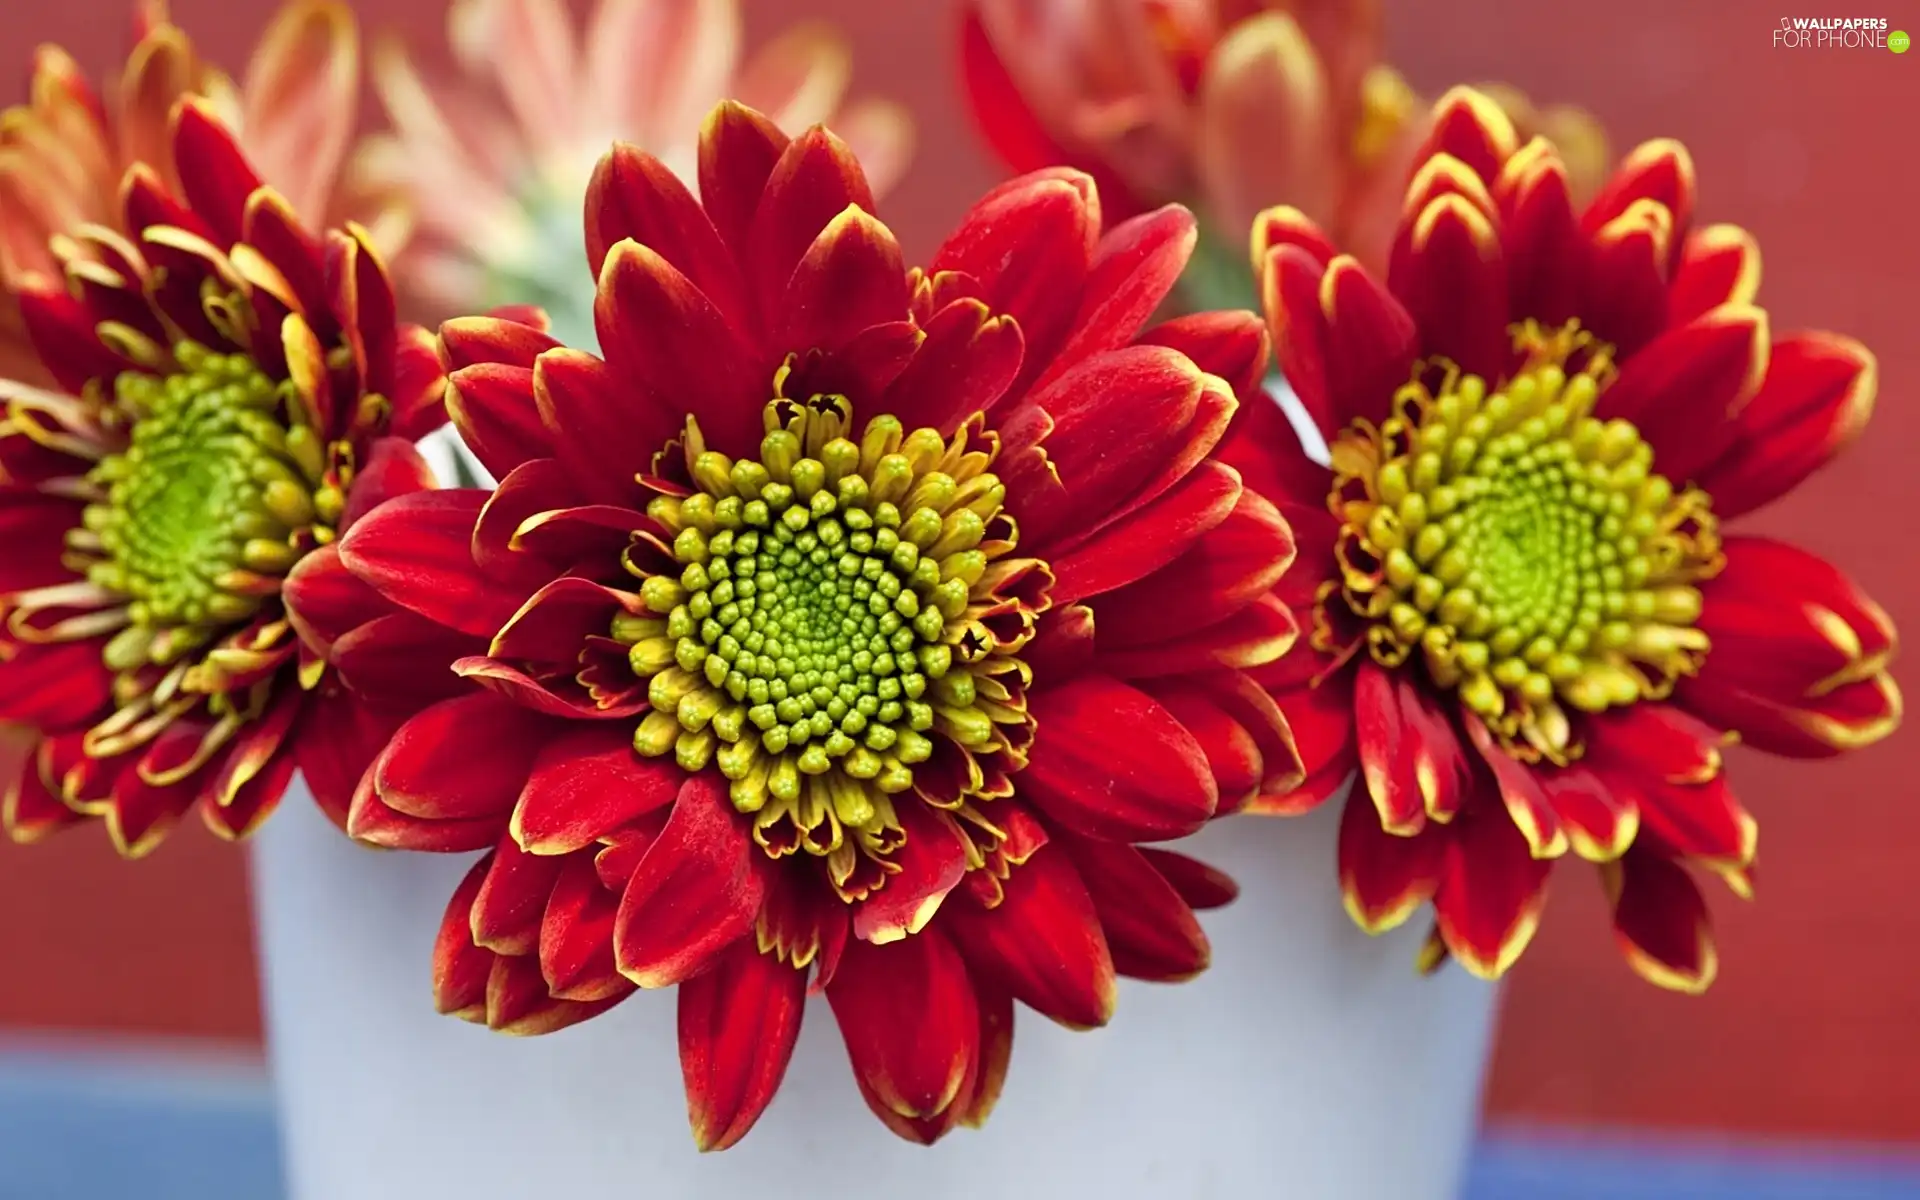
{"x":235,"y":393}
{"x":843,"y":618}
{"x":1529,"y":633}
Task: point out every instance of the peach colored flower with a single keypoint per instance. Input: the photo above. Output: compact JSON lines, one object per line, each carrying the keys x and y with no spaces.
{"x":494,"y":164}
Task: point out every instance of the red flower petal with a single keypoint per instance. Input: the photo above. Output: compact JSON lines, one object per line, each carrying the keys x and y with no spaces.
{"x":1134,"y":267}
{"x":815,"y":180}
{"x":1290,"y":295}
{"x":1703,"y":821}
{"x":414,"y":551}
{"x":1385,"y":876}
{"x":1322,"y":720}
{"x":849,"y":279}
{"x":1520,"y":789}
{"x":1155,"y":536}
{"x":1468,"y":125}
{"x":403,"y":659}
{"x":1029,"y":245}
{"x":1625,"y":292}
{"x":1686,"y":387}
{"x":1540,"y":235}
{"x":1371,"y":341}
{"x":461,"y":759}
{"x":964,"y":365}
{"x":576,"y":933}
{"x":1222,"y":572}
{"x":1043,"y":943}
{"x":634,"y":195}
{"x":55,"y":686}
{"x":1232,"y":345}
{"x":912,"y":1027}
{"x":512,"y":901}
{"x":28,"y":809}
{"x":738,"y":149}
{"x":932,"y":862}
{"x":1150,"y":929}
{"x":519,"y":1004}
{"x":1285,"y":225}
{"x":695,"y":892}
{"x":497,"y":338}
{"x":1660,"y":170}
{"x":1655,"y":741}
{"x":213,"y":171}
{"x":1661,"y":922}
{"x":1111,"y":764}
{"x":738,"y":1025}
{"x":392,"y":467}
{"x":1719,"y":264}
{"x":460,"y":968}
{"x":1201,"y":886}
{"x":1491,"y":890}
{"x":671,"y":354}
{"x":584,"y":784}
{"x":1815,"y":401}
{"x":339,"y":740}
{"x":492,"y":405}
{"x":1452,"y":279}
{"x":1601,"y":819}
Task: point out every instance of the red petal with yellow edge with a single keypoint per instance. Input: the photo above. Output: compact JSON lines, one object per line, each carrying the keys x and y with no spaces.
{"x":1285,"y":225}
{"x":1111,"y":764}
{"x":1133,"y":270}
{"x":533,"y":489}
{"x":1703,"y":821}
{"x":1660,"y":170}
{"x":1719,"y":264}
{"x":695,"y":892}
{"x":1257,"y":634}
{"x":1815,"y":401}
{"x":139,"y":814}
{"x":62,"y":332}
{"x":1540,"y":235}
{"x":1850,"y":717}
{"x":1371,"y":341}
{"x":512,"y":901}
{"x":669,"y":353}
{"x":257,"y":799}
{"x":1655,"y":741}
{"x":1487,"y":906}
{"x":460,"y":968}
{"x":738,"y":1025}
{"x":271,"y":227}
{"x":1385,"y":876}
{"x":1788,"y":625}
{"x":1390,"y":752}
{"x":815,"y":179}
{"x":369,"y":820}
{"x":414,"y":551}
{"x":492,"y":405}
{"x":1224,"y":571}
{"x":518,"y":1003}
{"x":851,"y":277}
{"x":1029,"y":245}
{"x":931,"y":864}
{"x":1043,"y":944}
{"x":634,"y":195}
{"x":963,"y":365}
{"x":1322,"y":720}
{"x":555,"y":621}
{"x":1231,"y":345}
{"x":911,"y":1023}
{"x":1601,"y":814}
{"x":339,"y":740}
{"x":1685,"y":388}
{"x":1452,"y":278}
{"x":461,"y":759}
{"x":1150,"y":929}
{"x":1154,"y":536}
{"x":1518,"y":786}
{"x":738,"y":149}
{"x":585,"y":783}
{"x":996,"y":1051}
{"x":27,"y":808}
{"x":1445,"y":175}
{"x":214,"y":173}
{"x":512,"y":341}
{"x":1625,"y":293}
{"x":1232,"y":753}
{"x":1242,"y":698}
{"x":1201,"y":886}
{"x":1661,"y":922}
{"x":258,"y":742}
{"x":1471,"y":127}
{"x":576,"y":933}
{"x":1290,"y":295}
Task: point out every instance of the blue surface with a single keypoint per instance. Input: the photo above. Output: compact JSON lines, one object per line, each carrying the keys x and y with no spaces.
{"x":86,"y":1127}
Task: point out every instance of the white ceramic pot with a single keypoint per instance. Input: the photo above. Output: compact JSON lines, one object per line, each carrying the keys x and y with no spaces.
{"x":1310,"y":1061}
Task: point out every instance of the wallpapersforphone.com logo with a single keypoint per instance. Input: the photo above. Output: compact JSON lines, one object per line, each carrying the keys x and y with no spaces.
{"x":1839,"y":33}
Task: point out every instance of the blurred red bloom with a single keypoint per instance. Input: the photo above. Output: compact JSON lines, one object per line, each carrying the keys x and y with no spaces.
{"x":232,"y":392}
{"x":843,"y":618}
{"x":1228,"y":105}
{"x":1529,"y":633}
{"x":64,"y":152}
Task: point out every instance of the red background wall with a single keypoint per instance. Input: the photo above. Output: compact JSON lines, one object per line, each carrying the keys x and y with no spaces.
{"x":1810,"y":1030}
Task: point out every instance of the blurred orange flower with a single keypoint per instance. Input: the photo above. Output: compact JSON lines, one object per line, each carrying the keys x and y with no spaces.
{"x":63,"y":153}
{"x":1228,"y":106}
{"x":494,"y":164}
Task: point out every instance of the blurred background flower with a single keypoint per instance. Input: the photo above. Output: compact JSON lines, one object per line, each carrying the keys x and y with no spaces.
{"x":493,"y":159}
{"x":1229,"y":106}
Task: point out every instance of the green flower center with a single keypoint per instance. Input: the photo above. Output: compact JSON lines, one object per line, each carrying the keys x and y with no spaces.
{"x":214,"y":498}
{"x":1522,"y":547}
{"x":840,"y":609}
